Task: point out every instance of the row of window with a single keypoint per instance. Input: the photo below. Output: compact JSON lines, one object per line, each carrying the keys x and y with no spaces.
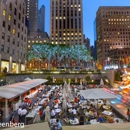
{"x":13,"y":51}
{"x":14,"y":32}
{"x":10,"y":17}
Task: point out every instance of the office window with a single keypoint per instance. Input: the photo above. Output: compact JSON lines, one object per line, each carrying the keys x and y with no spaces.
{"x":8,"y":39}
{"x":18,"y":34}
{"x":14,"y":22}
{"x":10,"y":6}
{"x":4,"y":24}
{"x":9,"y":17}
{"x":4,"y":12}
{"x":19,"y":25}
{"x":19,"y":16}
{"x":14,"y":31}
{"x":13,"y":52}
{"x":15,"y":11}
{"x":9,"y":27}
{"x":2,"y":47}
{"x":3,"y":36}
{"x":7,"y":49}
{"x":13,"y":41}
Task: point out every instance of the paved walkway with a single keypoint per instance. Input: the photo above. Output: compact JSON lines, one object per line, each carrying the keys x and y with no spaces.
{"x":120,"y":107}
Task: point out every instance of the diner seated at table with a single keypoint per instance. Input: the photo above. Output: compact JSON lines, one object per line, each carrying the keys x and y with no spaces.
{"x":111,"y":119}
{"x":88,"y":122}
{"x":100,"y":119}
{"x":87,"y":113}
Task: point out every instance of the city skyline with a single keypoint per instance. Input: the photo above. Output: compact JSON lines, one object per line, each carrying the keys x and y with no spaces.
{"x":89,"y":14}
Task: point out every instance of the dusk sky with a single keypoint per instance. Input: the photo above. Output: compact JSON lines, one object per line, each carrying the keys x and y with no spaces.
{"x":90,"y":8}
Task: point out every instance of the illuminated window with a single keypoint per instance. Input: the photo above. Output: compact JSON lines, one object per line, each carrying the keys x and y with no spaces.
{"x":36,"y":41}
{"x":28,"y":46}
{"x":79,"y":9}
{"x":32,"y":41}
{"x":14,"y":31}
{"x":9,"y":17}
{"x":4,"y":12}
{"x":44,"y":40}
{"x":40,"y":41}
{"x":28,"y":41}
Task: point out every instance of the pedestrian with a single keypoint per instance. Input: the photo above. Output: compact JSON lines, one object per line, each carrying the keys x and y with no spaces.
{"x":128,"y":115}
{"x":40,"y":114}
{"x":19,"y":114}
{"x":59,"y":125}
{"x":81,"y":120}
{"x":23,"y":113}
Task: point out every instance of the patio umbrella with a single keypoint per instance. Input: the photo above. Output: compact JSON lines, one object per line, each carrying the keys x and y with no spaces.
{"x":101,"y":82}
{"x":97,"y":94}
{"x":68,"y":90}
{"x":27,"y":79}
{"x":81,"y":86}
{"x":64,"y":105}
{"x":47,"y":114}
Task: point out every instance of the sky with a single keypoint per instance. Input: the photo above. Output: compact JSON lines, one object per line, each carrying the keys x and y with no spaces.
{"x":90,"y":8}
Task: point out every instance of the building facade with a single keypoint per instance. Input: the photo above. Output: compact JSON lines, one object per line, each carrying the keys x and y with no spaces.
{"x":119,"y":53}
{"x":66,"y":22}
{"x":113,"y":29}
{"x":13,"y":41}
{"x":37,"y":37}
{"x":32,"y":15}
{"x":41,"y":19}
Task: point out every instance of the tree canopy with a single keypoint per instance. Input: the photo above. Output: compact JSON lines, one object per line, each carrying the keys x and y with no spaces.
{"x":59,"y":52}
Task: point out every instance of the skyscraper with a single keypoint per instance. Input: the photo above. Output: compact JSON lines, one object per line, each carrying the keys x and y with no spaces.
{"x":32,"y":15}
{"x":113,"y":30}
{"x":66,"y":22}
{"x":41,"y":19}
{"x":13,"y":35}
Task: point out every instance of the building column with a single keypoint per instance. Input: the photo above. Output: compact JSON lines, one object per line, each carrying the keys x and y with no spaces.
{"x":10,"y":64}
{"x":0,"y":64}
{"x":25,"y":64}
{"x":6,"y":108}
{"x":75,"y":80}
{"x":19,"y":66}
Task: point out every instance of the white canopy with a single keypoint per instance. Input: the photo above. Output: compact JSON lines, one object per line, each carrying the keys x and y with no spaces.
{"x":27,"y":79}
{"x":13,"y":90}
{"x":97,"y":94}
{"x":101,"y":82}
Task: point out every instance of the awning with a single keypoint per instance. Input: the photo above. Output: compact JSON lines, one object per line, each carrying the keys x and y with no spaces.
{"x":96,"y":94}
{"x":13,"y":90}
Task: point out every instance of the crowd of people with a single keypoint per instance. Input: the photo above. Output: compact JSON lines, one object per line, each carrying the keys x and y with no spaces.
{"x":65,"y":108}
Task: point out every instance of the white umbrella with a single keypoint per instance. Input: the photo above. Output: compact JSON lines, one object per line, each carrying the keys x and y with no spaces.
{"x":64,"y":93}
{"x":27,"y":79}
{"x":101,"y":82}
{"x":97,"y":94}
{"x":81,"y":86}
{"x":64,"y":105}
{"x":47,"y":114}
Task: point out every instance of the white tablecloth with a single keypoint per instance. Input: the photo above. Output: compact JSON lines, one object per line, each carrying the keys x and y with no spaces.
{"x":119,"y":120}
{"x":58,"y":110}
{"x":107,"y":113}
{"x":74,"y":122}
{"x":94,"y":121}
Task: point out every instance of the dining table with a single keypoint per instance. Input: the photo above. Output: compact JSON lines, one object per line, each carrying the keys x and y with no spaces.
{"x":94,"y":121}
{"x":108,"y":113}
{"x":74,"y":122}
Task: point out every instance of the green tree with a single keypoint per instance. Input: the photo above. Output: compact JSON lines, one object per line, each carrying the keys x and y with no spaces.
{"x":117,"y":76}
{"x":88,"y":79}
{"x":49,"y":78}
